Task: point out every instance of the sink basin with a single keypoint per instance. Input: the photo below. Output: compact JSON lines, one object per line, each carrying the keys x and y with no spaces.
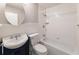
{"x":13,"y":42}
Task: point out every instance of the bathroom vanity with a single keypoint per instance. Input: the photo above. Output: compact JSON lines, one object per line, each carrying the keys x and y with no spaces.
{"x":17,"y":44}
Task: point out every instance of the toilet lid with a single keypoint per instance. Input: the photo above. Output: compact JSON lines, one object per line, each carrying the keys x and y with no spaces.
{"x":40,"y":48}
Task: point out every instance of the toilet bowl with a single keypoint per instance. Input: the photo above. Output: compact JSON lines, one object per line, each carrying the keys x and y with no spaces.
{"x":40,"y":49}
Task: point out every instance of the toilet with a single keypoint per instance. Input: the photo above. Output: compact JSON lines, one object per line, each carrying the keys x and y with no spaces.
{"x":38,"y":48}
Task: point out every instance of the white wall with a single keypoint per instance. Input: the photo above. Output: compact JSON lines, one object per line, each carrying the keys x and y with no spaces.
{"x":31,"y":11}
{"x":62,"y":25}
{"x":2,"y":9}
{"x":77,"y":30}
{"x":6,"y":29}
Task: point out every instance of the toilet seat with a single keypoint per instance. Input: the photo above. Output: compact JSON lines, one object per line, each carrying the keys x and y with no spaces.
{"x":40,"y":48}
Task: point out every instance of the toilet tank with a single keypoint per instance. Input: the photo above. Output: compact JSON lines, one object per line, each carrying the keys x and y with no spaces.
{"x":34,"y":38}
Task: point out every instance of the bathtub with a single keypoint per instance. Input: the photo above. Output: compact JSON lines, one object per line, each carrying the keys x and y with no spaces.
{"x":56,"y":49}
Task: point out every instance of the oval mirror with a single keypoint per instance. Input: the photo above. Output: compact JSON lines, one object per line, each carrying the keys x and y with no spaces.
{"x":14,"y":13}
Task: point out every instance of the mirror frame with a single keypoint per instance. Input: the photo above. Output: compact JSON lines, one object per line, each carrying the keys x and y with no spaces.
{"x":18,"y":15}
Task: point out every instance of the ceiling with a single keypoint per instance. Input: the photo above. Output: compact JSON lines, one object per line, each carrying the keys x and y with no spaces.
{"x":47,"y":5}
